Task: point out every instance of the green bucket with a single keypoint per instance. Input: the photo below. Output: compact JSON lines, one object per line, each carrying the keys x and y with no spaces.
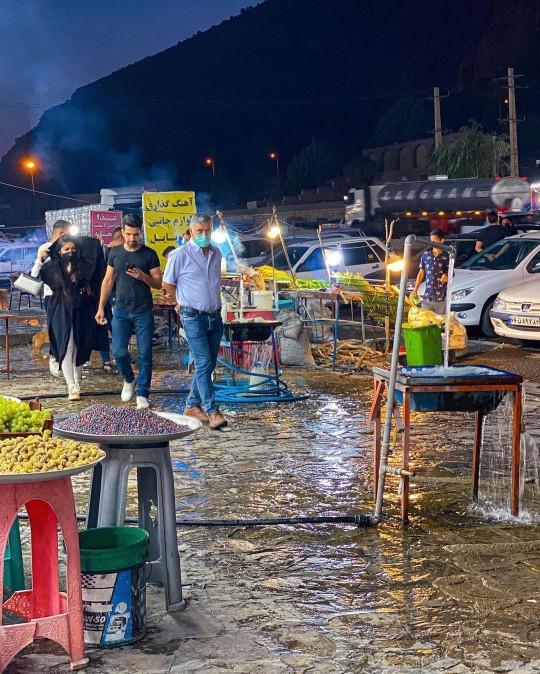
{"x":113,"y":585}
{"x":423,"y":345}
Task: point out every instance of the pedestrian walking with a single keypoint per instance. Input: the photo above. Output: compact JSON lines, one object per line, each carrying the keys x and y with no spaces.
{"x":70,"y":312}
{"x":434,"y":270}
{"x":193,"y":276}
{"x":135,"y":269}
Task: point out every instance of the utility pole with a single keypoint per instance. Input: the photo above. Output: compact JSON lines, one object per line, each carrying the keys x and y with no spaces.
{"x":437,"y":114}
{"x":512,"y":123}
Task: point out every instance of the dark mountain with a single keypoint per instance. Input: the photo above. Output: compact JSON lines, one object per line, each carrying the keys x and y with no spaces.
{"x":273,"y":78}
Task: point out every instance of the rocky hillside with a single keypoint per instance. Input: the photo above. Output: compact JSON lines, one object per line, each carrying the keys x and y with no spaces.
{"x":275,"y":77}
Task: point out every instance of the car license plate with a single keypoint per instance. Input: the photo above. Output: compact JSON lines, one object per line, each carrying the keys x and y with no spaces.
{"x":526,"y":321}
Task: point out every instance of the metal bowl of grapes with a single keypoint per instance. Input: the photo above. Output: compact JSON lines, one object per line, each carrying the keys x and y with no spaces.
{"x":110,"y":425}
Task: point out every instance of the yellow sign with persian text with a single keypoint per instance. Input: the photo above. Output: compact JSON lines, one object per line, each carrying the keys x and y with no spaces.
{"x":166,"y":217}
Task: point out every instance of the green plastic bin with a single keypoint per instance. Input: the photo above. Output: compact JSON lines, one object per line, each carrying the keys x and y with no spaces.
{"x":423,"y":345}
{"x":113,"y":585}
{"x":112,"y":548}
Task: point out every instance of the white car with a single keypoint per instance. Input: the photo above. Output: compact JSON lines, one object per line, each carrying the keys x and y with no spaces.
{"x":360,"y":255}
{"x":516,"y":312}
{"x":480,"y":279}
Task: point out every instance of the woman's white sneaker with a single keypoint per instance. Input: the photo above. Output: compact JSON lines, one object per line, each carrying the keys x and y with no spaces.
{"x":142,"y":403}
{"x":127,"y":391}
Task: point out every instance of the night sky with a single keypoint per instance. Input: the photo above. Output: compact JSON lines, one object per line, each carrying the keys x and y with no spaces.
{"x":48,"y":48}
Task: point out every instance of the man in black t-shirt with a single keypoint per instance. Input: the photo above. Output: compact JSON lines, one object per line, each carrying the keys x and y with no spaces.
{"x":490,"y":234}
{"x":135,"y":269}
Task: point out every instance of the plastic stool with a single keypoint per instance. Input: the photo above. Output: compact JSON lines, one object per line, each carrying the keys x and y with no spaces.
{"x":155,"y":486}
{"x":13,"y":562}
{"x":50,"y":614}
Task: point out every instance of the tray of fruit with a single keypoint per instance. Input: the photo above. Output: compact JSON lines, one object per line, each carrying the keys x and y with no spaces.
{"x":124,"y":425}
{"x":20,"y":419}
{"x":37,"y":458}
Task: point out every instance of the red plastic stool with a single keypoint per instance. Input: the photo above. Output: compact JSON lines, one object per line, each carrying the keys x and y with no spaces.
{"x":50,"y":614}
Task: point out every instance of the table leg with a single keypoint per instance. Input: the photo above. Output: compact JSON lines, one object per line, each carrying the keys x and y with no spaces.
{"x":479,"y":418}
{"x":516,"y":450}
{"x":405,"y":457}
{"x":7,"y":348}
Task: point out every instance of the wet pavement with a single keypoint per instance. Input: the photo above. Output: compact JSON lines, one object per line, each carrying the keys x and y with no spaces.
{"x":455,"y":591}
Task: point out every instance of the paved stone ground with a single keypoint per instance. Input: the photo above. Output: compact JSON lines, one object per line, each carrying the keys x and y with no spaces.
{"x":432,"y":597}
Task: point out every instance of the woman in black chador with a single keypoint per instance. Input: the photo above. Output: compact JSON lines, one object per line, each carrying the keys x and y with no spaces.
{"x":70,"y":312}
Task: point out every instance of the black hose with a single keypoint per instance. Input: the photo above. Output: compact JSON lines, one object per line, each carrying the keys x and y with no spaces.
{"x":158,"y":391}
{"x":360,"y":520}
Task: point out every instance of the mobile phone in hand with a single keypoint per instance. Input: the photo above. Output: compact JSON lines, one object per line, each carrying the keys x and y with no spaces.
{"x":130,"y":266}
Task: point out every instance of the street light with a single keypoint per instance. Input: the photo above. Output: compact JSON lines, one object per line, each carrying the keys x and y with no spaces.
{"x":211,"y":162}
{"x":30,"y":165}
{"x":274,"y":156}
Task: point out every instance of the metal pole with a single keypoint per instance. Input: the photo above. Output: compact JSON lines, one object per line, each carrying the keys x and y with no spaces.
{"x":393,"y":376}
{"x":274,"y":274}
{"x":391,"y":389}
{"x":437,"y":114}
{"x":451,"y":263}
{"x":512,"y":123}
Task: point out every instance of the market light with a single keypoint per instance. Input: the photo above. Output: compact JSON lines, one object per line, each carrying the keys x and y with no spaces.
{"x":424,"y":213}
{"x":273,"y":232}
{"x":396,"y":265}
{"x":31,"y":165}
{"x":408,"y":214}
{"x":333,"y":257}
{"x":441,"y":213}
{"x":459,"y":213}
{"x":219,"y":235}
{"x":477,"y":212}
{"x":211,"y":163}
{"x":74,"y":230}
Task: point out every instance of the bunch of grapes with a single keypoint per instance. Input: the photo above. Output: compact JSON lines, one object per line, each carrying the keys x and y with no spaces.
{"x":38,"y":454}
{"x":17,"y":417}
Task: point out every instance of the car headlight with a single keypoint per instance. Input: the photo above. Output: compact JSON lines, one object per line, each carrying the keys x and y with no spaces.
{"x":461,"y":294}
{"x":499,"y":304}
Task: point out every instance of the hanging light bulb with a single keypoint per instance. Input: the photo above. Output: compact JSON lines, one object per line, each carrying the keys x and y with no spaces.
{"x":219,"y":235}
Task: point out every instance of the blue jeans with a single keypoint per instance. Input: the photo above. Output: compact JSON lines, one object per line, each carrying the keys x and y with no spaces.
{"x":203,"y":334}
{"x":123,"y":324}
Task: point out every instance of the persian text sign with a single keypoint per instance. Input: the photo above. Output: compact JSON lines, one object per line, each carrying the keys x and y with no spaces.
{"x":166,"y":217}
{"x":103,"y":223}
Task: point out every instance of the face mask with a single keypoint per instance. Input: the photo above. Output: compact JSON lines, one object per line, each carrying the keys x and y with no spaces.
{"x":69,"y":257}
{"x":202,"y":240}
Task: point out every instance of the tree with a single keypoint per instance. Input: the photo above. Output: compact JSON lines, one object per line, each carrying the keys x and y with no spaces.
{"x":314,"y":164}
{"x":472,"y":154}
{"x":407,"y":119}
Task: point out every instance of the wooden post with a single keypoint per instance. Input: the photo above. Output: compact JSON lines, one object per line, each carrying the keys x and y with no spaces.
{"x":405,"y":456}
{"x":479,"y":418}
{"x":516,"y":450}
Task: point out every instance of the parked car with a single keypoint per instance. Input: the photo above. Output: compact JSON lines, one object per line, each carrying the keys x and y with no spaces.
{"x":516,"y":311}
{"x":360,"y":255}
{"x":479,"y":280}
{"x":17,"y":257}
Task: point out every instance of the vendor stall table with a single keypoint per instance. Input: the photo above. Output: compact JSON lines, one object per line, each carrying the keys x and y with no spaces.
{"x":151,"y":457}
{"x":242,"y":340}
{"x":49,"y":613}
{"x":423,"y":390}
{"x":168,"y":307}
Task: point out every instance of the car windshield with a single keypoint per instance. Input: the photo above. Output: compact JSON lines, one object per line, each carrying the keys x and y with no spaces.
{"x":505,"y":254}
{"x":295,"y":253}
